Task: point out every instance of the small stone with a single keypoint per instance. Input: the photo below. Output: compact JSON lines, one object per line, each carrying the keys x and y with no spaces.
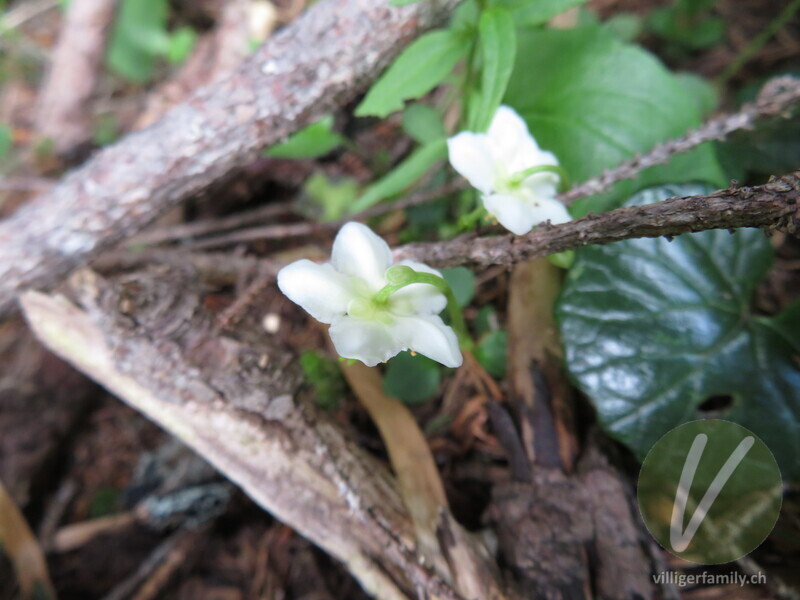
{"x":271,"y":323}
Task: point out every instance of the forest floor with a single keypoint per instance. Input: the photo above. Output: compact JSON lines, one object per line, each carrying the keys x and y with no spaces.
{"x":85,"y":468}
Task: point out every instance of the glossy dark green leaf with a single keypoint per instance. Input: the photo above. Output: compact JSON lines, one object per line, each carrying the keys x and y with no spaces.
{"x":412,"y":379}
{"x":497,"y":44}
{"x":604,"y":103}
{"x":419,"y":68}
{"x":654,"y":329}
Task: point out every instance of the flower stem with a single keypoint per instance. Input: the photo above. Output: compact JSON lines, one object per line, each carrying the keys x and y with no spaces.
{"x":521,"y":176}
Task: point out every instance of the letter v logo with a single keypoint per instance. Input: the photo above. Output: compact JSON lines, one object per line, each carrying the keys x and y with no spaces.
{"x":678,"y":539}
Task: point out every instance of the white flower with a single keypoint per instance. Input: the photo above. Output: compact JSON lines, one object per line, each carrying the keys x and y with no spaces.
{"x":490,"y":161}
{"x":343,"y":291}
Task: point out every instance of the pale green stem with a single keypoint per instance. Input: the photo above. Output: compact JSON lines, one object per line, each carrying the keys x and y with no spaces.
{"x":521,"y":176}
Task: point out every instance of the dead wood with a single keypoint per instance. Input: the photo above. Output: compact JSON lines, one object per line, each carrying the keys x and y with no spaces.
{"x":285,"y":85}
{"x":61,"y":113}
{"x":147,"y":338}
{"x":566,"y":524}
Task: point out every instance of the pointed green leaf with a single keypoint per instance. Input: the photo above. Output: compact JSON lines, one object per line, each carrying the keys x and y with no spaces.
{"x":403,"y":175}
{"x":419,"y":68}
{"x":498,"y":46}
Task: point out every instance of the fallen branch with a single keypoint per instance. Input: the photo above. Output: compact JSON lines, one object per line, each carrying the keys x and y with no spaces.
{"x":285,"y":85}
{"x":61,"y":113}
{"x":776,"y":98}
{"x":148,"y":338}
{"x":775,"y":205}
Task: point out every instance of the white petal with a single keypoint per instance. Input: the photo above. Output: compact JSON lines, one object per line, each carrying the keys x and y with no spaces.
{"x":513,"y":212}
{"x":471,"y":156}
{"x":429,"y":336}
{"x":418,"y":298}
{"x":550,"y":209}
{"x":322,"y":291}
{"x":513,"y":145}
{"x":358,"y":252}
{"x":371,"y":342}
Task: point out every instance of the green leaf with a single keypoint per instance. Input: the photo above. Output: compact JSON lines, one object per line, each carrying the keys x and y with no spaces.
{"x":699,"y":88}
{"x":6,"y":140}
{"x":498,"y":47}
{"x":486,"y":320}
{"x":422,"y":123}
{"x":333,"y":197}
{"x":412,"y":379}
{"x":604,"y":103}
{"x":403,"y":175}
{"x":536,"y":12}
{"x":181,"y":44}
{"x":419,"y":68}
{"x":325,"y":377}
{"x":139,"y":36}
{"x":491,"y":353}
{"x":625,"y":26}
{"x":772,"y":148}
{"x":462,"y":281}
{"x":652,"y":329}
{"x":316,"y":140}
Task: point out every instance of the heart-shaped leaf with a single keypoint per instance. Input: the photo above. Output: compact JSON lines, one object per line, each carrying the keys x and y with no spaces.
{"x":595,"y":102}
{"x":653,"y":330}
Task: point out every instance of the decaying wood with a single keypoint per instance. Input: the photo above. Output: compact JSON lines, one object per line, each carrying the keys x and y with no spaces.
{"x":565,"y":527}
{"x":773,"y":206}
{"x":147,"y":338}
{"x":216,"y":54}
{"x":61,"y":114}
{"x":289,"y":82}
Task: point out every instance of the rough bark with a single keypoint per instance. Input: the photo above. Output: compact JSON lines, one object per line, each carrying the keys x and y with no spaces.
{"x":148,"y":338}
{"x":302,"y":72}
{"x":566,"y":526}
{"x":775,"y":205}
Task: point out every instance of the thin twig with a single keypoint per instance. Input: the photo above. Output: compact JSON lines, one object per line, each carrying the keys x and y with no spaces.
{"x":774,"y":205}
{"x":205,"y":227}
{"x":23,"y":13}
{"x":284,"y":231}
{"x":758,"y":42}
{"x":62,"y":111}
{"x":776,"y":98}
